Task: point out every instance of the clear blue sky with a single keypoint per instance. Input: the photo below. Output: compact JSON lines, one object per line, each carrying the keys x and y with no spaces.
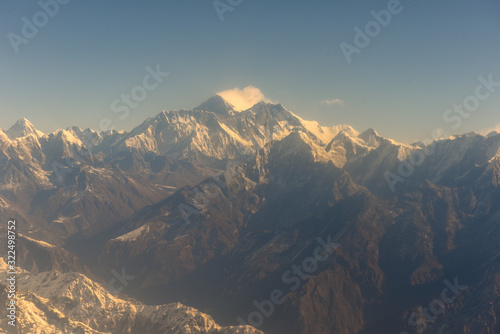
{"x":426,"y":59}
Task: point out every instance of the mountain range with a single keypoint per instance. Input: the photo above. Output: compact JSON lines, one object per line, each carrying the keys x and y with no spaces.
{"x":263,"y":220}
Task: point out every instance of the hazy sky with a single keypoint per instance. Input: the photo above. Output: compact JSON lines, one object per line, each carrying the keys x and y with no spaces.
{"x":83,"y":59}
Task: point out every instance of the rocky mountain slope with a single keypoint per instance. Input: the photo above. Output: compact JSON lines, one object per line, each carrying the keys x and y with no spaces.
{"x":53,"y":302}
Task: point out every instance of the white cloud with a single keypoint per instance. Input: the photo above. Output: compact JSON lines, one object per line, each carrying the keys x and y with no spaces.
{"x":245,"y":98}
{"x":333,"y":101}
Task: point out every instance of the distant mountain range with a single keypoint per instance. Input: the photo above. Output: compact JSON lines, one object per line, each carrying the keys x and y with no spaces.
{"x":256,"y":217}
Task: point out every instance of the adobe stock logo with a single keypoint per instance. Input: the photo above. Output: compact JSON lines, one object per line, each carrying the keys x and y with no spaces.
{"x":139,"y":93}
{"x":122,"y":278}
{"x":372,"y":29}
{"x":222,"y":6}
{"x":421,"y":319}
{"x":294,"y":277}
{"x":460,"y":111}
{"x":50,"y":8}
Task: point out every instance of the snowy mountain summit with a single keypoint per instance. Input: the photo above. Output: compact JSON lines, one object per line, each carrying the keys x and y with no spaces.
{"x":216,"y":104}
{"x":22,"y":128}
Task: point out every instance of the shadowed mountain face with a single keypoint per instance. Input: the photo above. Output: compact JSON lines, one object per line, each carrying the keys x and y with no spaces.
{"x":261,"y":218}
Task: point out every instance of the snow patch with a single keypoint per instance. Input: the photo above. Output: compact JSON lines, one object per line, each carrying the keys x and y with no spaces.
{"x":39,"y":242}
{"x":133,"y":235}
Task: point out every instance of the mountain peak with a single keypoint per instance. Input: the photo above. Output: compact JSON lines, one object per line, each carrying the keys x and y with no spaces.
{"x":23,"y":122}
{"x":217,"y":105}
{"x":261,"y":105}
{"x":492,"y":134}
{"x":365,"y":135}
{"x":371,"y":137}
{"x":22,"y":128}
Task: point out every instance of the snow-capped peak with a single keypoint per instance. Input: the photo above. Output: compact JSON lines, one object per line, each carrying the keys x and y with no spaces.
{"x":325,"y":134}
{"x":371,"y":137}
{"x":68,"y":136}
{"x":365,"y":135}
{"x":216,"y":104}
{"x":23,"y":128}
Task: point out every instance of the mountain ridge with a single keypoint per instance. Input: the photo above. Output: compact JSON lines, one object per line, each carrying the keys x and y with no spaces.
{"x":212,"y":207}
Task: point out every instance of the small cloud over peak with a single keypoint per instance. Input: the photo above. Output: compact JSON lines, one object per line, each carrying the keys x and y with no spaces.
{"x":332,"y":102}
{"x":245,"y":98}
